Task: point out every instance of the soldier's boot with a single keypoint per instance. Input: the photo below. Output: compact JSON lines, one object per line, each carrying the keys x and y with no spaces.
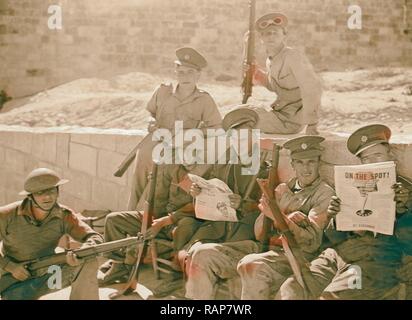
{"x":118,"y":272}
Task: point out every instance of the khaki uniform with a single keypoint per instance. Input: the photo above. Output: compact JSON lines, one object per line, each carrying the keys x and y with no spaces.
{"x":166,"y":108}
{"x":168,"y":198}
{"x":262,"y":274}
{"x":291,"y":76}
{"x":24,"y":238}
{"x":378,"y":258}
{"x":217,"y":246}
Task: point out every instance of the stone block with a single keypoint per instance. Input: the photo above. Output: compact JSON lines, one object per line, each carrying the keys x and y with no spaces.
{"x":79,"y":185}
{"x":125,"y":143}
{"x":2,"y":155}
{"x":103,"y":141}
{"x":22,"y":141}
{"x":14,"y":161}
{"x":81,"y":138}
{"x":105,"y":194}
{"x":124,"y":193}
{"x":3,"y":197}
{"x":62,"y":153}
{"x":107,"y":164}
{"x":44,"y":146}
{"x":83,"y":158}
{"x":6,"y":139}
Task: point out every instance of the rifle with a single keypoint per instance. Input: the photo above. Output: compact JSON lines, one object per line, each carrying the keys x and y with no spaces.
{"x":292,"y":250}
{"x":142,"y":248}
{"x":121,"y":169}
{"x":273,"y":181}
{"x":247,"y":83}
{"x":7,"y":280}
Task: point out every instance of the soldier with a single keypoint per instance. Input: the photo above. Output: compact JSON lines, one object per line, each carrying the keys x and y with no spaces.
{"x":169,"y":197}
{"x":173,"y":212}
{"x":291,"y":76}
{"x":304,"y":201}
{"x":32,"y":228}
{"x":217,"y":246}
{"x":184,"y":102}
{"x":377,"y":257}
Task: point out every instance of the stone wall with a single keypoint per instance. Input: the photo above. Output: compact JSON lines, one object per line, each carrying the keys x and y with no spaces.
{"x":88,"y":158}
{"x":111,"y":37}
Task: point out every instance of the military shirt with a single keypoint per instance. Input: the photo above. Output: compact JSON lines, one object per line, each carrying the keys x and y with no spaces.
{"x":222,"y":231}
{"x":379,"y":256}
{"x":166,"y":108}
{"x":298,"y":88}
{"x":312,"y":201}
{"x":24,"y":238}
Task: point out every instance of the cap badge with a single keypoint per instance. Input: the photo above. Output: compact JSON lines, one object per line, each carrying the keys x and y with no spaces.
{"x":304,"y":146}
{"x":187,"y":57}
{"x":364,"y":139}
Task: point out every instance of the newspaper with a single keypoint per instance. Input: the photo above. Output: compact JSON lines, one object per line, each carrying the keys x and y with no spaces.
{"x":213,"y":202}
{"x":367,"y":197}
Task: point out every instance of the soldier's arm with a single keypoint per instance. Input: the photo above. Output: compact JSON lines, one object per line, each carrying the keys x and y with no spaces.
{"x":3,"y":227}
{"x":309,"y":232}
{"x":79,"y":230}
{"x":309,"y":84}
{"x":158,"y":95}
{"x":211,"y":116}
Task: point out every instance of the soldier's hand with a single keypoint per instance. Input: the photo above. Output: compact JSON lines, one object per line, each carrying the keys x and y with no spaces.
{"x":264,"y":207}
{"x":312,"y":129}
{"x":195,"y":190}
{"x":18,"y":271}
{"x":334,"y":207}
{"x":401,"y":197}
{"x":157,"y":225}
{"x":299,"y":218}
{"x":72,"y":260}
{"x":235,"y":200}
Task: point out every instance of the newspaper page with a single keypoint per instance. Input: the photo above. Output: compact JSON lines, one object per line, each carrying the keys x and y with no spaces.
{"x":213,"y":202}
{"x":367,"y":197}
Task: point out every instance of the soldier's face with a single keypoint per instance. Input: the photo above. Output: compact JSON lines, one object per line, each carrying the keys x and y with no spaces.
{"x":186,"y":75}
{"x":378,"y":153}
{"x":307,"y":170}
{"x":46,"y":199}
{"x":273,"y":37}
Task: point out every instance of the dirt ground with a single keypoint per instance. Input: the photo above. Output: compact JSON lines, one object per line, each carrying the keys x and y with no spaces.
{"x":350,"y":100}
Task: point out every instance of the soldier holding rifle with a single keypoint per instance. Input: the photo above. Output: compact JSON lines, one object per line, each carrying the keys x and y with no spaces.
{"x":303,"y":201}
{"x":32,"y":228}
{"x":290,"y":75}
{"x":184,"y":102}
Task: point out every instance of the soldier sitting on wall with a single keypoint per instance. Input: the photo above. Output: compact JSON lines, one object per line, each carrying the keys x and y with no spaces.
{"x":184,"y":102}
{"x":291,"y":76}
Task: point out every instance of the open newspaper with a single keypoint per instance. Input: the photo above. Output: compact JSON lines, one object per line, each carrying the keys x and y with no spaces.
{"x":213,"y":202}
{"x":367,"y":197}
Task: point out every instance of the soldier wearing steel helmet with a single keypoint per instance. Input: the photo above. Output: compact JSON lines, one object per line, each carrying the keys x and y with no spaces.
{"x":32,"y":228}
{"x":291,"y":76}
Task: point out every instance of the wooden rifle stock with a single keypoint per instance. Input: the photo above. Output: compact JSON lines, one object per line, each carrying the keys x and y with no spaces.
{"x":8,"y":280}
{"x":247,"y":83}
{"x":273,"y":181}
{"x":146,"y":224}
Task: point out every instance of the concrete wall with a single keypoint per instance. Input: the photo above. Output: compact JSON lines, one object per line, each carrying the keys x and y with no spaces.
{"x":111,"y":37}
{"x":88,"y":158}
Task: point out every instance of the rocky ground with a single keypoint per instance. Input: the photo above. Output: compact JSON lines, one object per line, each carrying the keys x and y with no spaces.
{"x":351,"y":99}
